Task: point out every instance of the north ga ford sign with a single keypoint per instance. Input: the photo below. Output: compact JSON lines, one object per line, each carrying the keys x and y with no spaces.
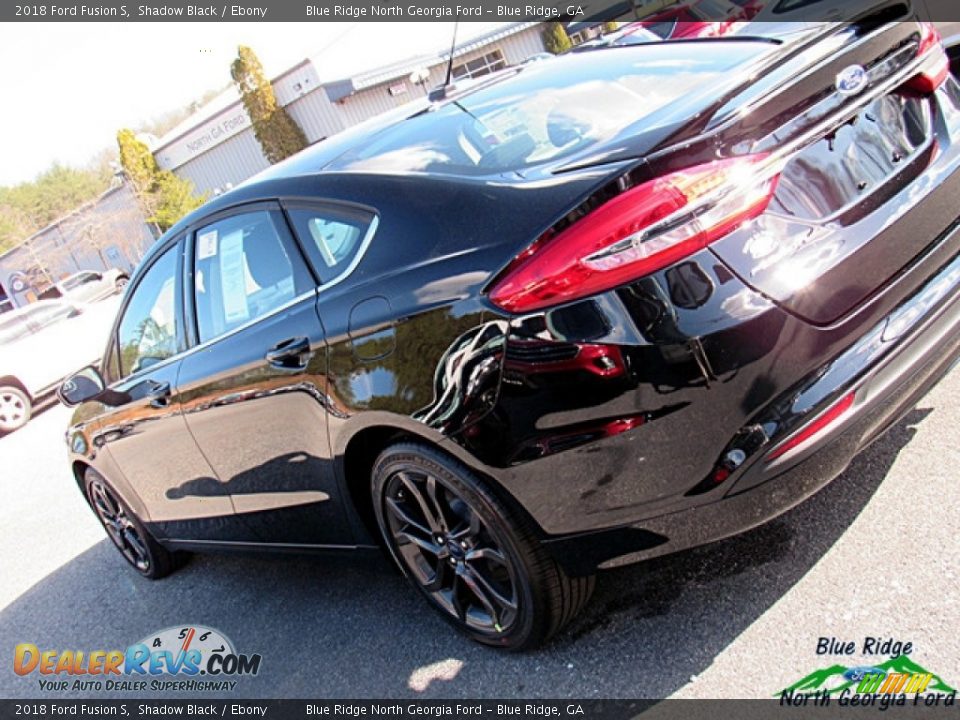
{"x":219,"y":128}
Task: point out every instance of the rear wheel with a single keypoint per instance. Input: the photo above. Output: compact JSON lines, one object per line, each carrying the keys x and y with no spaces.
{"x":134,"y":541}
{"x":121,"y":283}
{"x":15,"y":408}
{"x":478,"y":562}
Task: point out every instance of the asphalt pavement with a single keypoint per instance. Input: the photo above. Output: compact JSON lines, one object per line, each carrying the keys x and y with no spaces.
{"x":874,"y":554}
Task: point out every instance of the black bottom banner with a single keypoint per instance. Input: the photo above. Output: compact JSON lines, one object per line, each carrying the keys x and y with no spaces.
{"x":586,"y":709}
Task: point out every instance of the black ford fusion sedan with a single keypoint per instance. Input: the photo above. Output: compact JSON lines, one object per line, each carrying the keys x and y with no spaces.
{"x":579,"y":314}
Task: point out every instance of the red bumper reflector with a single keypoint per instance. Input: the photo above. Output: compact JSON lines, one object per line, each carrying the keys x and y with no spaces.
{"x":825,"y":420}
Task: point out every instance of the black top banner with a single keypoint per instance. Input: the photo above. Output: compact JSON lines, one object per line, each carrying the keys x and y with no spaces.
{"x":767,"y":11}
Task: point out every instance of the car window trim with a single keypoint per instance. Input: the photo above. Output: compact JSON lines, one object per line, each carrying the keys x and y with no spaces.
{"x":176,"y":244}
{"x":292,"y":244}
{"x":296,"y":203}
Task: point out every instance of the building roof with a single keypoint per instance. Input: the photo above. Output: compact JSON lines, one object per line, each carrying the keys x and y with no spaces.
{"x":347,"y":86}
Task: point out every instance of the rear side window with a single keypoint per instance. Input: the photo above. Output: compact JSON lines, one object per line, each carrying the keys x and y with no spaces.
{"x":332,"y":237}
{"x":245,"y":267}
{"x":71,"y":283}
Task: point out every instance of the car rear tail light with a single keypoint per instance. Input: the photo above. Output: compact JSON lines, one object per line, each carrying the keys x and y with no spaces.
{"x":644,"y":229}
{"x":827,"y":418}
{"x":938,"y":65}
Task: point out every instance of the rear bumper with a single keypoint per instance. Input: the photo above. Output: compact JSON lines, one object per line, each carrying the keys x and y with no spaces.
{"x":889,"y":374}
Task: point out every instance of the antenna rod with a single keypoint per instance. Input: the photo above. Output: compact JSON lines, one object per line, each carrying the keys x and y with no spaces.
{"x":453,"y":44}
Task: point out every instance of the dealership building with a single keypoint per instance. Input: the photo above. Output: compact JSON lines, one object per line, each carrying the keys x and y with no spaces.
{"x":215,"y":148}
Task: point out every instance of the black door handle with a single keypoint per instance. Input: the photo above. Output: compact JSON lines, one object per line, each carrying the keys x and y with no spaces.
{"x":291,"y":354}
{"x":158,"y":393}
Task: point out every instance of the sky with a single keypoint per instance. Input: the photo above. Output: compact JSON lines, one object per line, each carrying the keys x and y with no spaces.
{"x":68,"y":87}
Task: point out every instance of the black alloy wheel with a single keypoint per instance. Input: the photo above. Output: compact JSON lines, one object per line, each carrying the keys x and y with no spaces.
{"x":451,"y":552}
{"x":134,"y":542}
{"x":476,"y":562}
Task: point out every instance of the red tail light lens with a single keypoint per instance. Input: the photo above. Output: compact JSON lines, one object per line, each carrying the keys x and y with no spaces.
{"x":644,"y":229}
{"x":938,"y":68}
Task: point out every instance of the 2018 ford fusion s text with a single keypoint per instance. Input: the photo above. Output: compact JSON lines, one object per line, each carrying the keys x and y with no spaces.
{"x":582,"y":313}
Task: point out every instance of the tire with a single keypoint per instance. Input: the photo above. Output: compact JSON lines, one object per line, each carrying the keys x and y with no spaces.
{"x":134,"y":542}
{"x":478,"y":562}
{"x":121,"y":284}
{"x":15,"y":408}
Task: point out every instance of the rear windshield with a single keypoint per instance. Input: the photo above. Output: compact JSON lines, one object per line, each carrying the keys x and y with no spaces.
{"x":550,"y":112}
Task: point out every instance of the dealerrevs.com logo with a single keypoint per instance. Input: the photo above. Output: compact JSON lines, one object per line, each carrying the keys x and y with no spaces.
{"x":182,"y":658}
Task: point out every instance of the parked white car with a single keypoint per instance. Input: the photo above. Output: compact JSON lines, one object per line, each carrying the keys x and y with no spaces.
{"x":43,"y":343}
{"x":92,"y":285}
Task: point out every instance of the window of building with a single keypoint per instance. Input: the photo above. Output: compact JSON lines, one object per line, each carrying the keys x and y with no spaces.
{"x":483,"y":65}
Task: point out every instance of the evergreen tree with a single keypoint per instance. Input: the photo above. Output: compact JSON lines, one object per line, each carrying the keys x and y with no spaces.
{"x":138,"y":162}
{"x":278,"y":134}
{"x":555,"y":38}
{"x":165,"y":198}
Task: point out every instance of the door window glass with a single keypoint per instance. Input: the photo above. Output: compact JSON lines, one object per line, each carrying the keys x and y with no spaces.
{"x":149,"y":328}
{"x":243,"y":270}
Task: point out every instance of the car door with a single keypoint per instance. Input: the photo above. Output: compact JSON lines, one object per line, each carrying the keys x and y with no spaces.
{"x":143,"y":428}
{"x":254,"y":387}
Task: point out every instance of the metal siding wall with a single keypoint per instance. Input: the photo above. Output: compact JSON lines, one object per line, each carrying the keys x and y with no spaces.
{"x":316,"y":115}
{"x":517,"y":48}
{"x":230,"y":162}
{"x":371,"y":101}
{"x":65,"y":247}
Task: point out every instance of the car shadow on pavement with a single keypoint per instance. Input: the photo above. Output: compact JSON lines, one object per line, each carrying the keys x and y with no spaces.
{"x":348,"y":626}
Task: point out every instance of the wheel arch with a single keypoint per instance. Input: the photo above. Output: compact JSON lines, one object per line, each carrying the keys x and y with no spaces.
{"x":79,"y":469}
{"x":361,"y":450}
{"x":13,"y":381}
{"x":116,"y":480}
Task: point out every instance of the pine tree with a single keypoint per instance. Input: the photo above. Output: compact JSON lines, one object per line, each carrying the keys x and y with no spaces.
{"x":278,"y":134}
{"x":165,"y":198}
{"x":555,"y":38}
{"x":137,"y":162}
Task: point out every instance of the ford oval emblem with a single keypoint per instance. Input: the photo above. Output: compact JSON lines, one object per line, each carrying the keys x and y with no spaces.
{"x":852,"y":80}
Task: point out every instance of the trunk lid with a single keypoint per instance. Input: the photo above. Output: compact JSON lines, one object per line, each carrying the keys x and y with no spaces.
{"x":860,"y":162}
